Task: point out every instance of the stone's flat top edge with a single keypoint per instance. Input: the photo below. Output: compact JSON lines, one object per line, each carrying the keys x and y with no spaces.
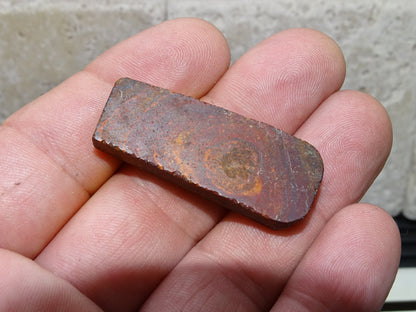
{"x":80,"y":5}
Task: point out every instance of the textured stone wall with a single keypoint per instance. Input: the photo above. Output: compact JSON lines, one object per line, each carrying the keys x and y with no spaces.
{"x":44,"y":42}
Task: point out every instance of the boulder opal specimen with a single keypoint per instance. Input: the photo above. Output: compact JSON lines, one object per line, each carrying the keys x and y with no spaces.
{"x":244,"y":165}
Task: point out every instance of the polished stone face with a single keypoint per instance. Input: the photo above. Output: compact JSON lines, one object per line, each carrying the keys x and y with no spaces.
{"x":242,"y":164}
{"x":44,"y":42}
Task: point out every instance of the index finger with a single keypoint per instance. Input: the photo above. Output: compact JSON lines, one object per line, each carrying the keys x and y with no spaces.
{"x":49,"y":165}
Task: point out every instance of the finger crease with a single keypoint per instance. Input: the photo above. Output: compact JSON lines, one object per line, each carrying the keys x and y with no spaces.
{"x":47,"y":155}
{"x":150,"y":195}
{"x":225,"y":272}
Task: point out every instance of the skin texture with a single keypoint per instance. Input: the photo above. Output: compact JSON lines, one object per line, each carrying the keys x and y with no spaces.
{"x":81,"y":231}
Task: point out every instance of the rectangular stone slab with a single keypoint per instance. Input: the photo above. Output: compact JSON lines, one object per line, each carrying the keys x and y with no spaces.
{"x":242,"y":164}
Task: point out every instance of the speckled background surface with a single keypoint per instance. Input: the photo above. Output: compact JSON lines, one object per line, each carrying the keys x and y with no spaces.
{"x":44,"y":42}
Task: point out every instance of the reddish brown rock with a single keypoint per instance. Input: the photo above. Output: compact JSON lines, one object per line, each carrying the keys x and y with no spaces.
{"x":242,"y":164}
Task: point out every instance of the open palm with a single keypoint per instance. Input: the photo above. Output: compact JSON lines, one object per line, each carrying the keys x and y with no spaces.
{"x":80,"y":231}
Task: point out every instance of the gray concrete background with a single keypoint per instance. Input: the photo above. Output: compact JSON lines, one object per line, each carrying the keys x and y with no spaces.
{"x":44,"y":42}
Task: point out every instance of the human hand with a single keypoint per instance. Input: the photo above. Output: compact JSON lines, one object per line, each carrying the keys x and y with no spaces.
{"x":80,"y":231}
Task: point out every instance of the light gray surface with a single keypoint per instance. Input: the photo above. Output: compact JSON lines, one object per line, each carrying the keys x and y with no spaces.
{"x":44,"y":42}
